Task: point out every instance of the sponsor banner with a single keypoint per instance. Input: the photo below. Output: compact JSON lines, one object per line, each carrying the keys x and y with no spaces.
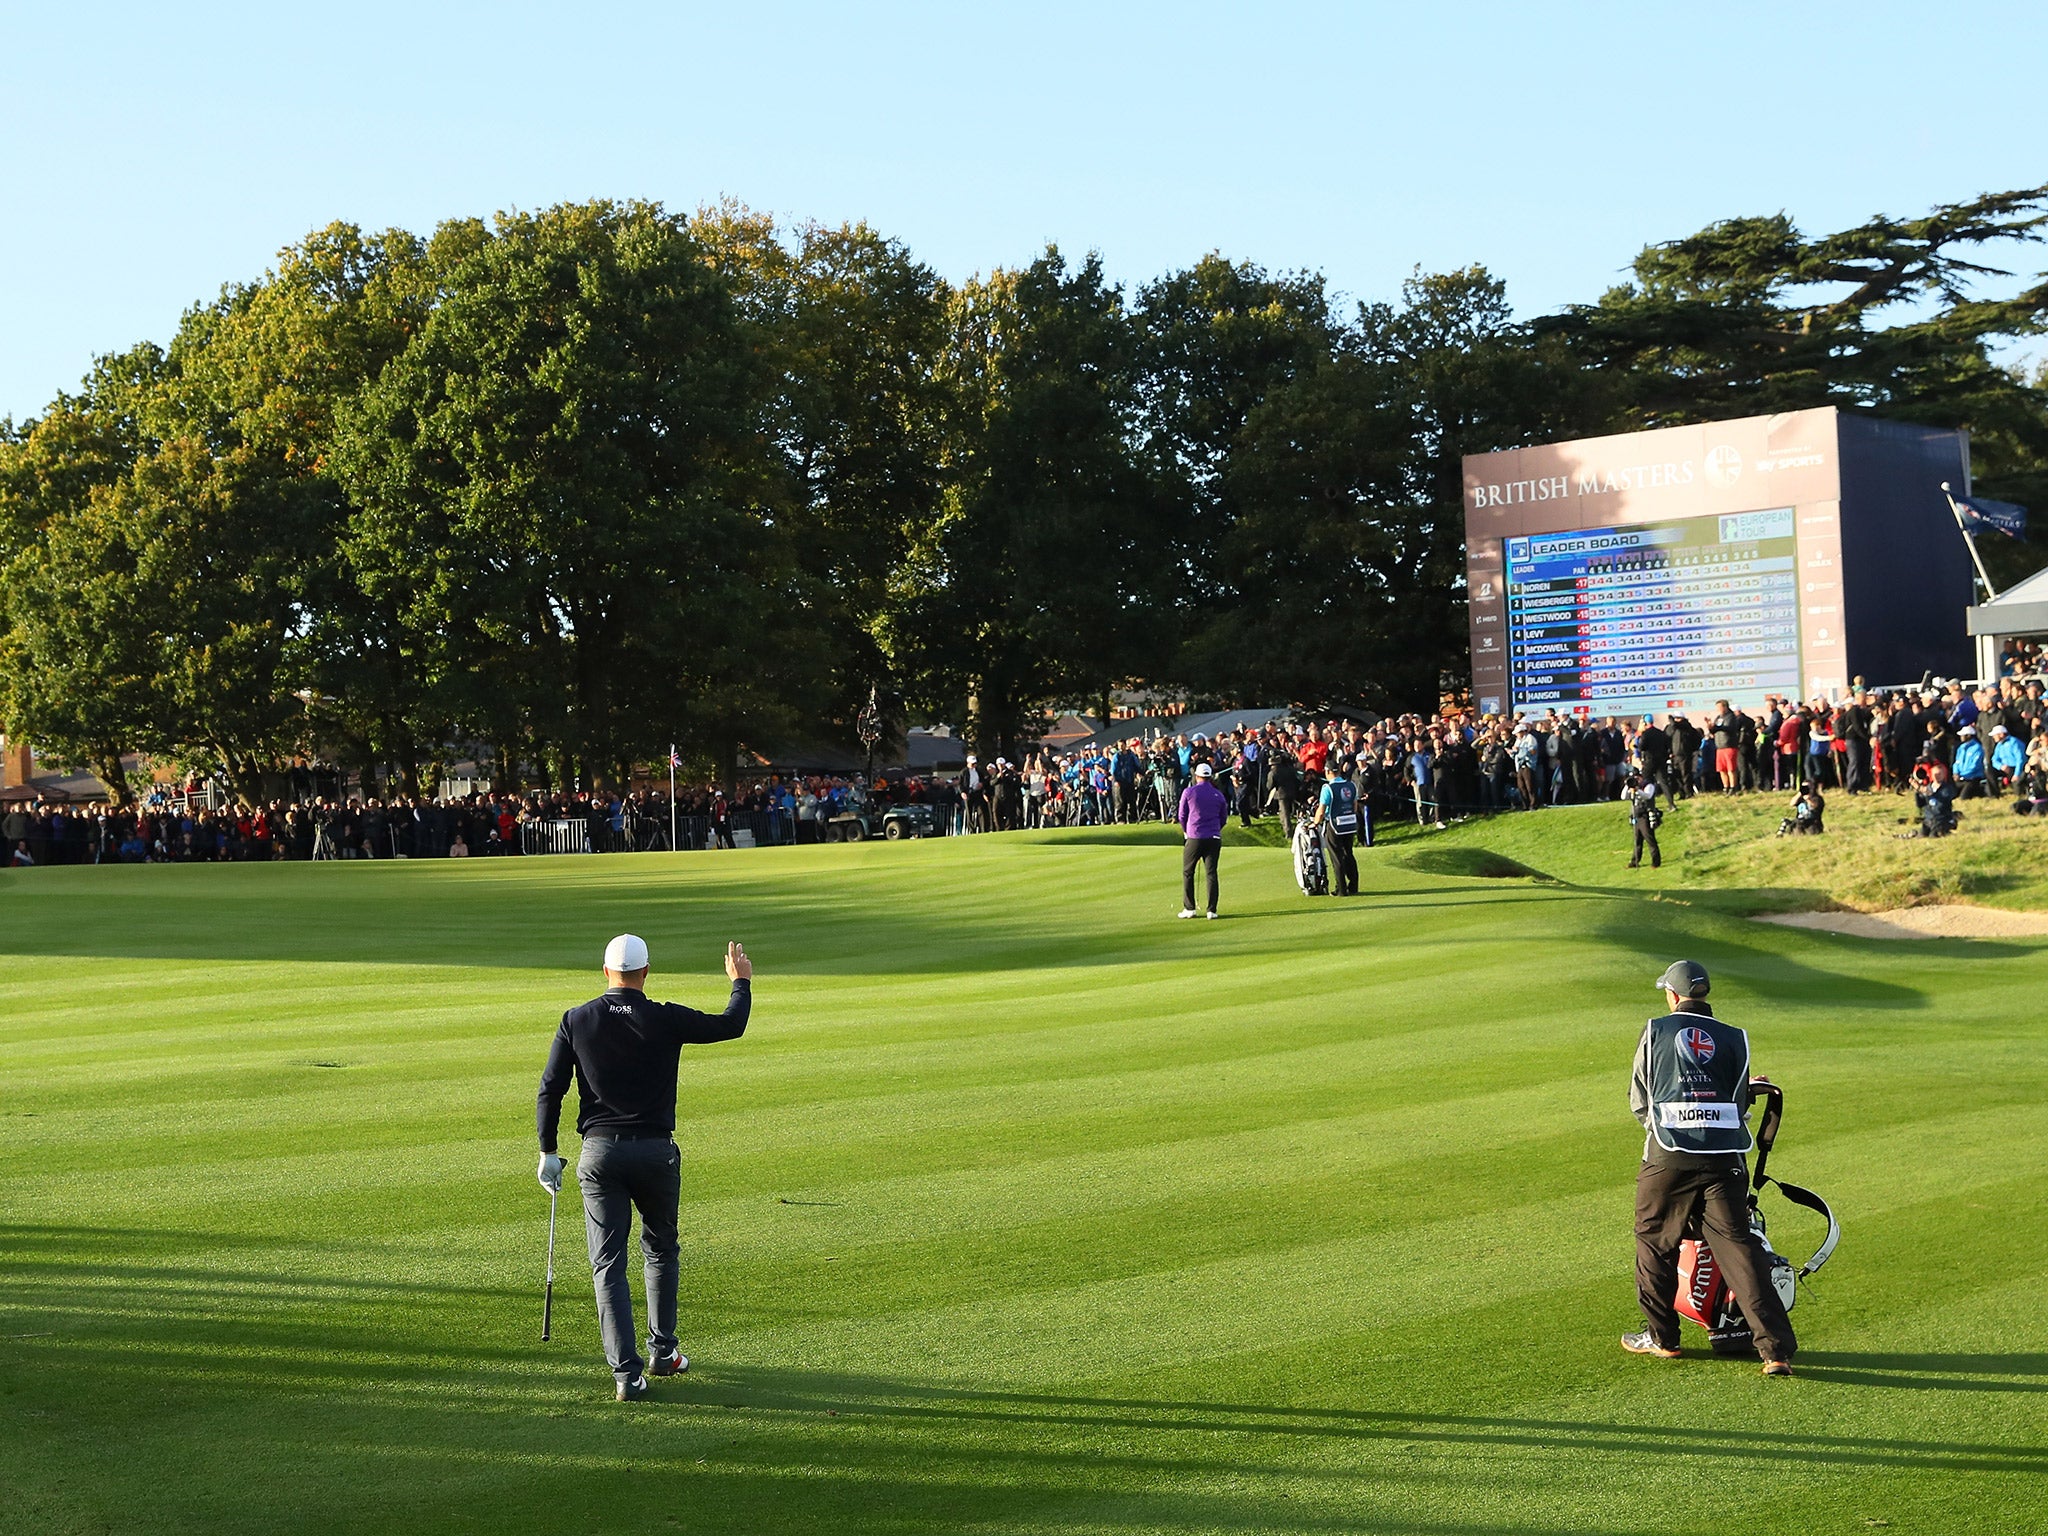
{"x":1748,"y":465}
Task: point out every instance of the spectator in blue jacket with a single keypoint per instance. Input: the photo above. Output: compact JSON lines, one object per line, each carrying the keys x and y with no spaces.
{"x":1968,"y":766}
{"x":2008,"y":757}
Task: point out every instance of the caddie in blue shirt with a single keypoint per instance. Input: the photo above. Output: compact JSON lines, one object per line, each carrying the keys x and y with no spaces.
{"x":1338,"y":814}
{"x":1690,"y":1089}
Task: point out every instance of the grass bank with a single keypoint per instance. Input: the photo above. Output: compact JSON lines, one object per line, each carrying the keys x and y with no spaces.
{"x":1724,"y":851}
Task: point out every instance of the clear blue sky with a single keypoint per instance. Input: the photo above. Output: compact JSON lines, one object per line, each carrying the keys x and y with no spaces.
{"x":155,"y":152}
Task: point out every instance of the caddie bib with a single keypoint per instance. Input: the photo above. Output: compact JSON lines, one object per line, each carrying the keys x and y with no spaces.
{"x":1698,"y":1069}
{"x":1343,"y":796}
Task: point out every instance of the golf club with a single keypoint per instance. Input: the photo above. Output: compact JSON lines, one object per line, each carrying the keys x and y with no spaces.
{"x":547,"y":1305}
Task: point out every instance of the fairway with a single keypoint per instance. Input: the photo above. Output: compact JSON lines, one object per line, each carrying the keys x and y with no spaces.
{"x":1022,"y":1206}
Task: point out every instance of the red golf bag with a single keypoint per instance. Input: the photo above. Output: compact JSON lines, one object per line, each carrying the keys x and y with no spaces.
{"x":1703,"y":1293}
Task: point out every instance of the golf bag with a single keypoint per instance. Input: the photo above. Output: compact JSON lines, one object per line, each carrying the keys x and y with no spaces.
{"x":1310,"y":872}
{"x":1703,"y":1293}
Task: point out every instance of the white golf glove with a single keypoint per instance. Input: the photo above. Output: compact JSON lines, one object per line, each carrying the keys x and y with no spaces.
{"x":551,"y":1168}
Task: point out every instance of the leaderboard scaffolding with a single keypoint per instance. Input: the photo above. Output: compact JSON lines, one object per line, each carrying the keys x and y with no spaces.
{"x":1656,"y":617}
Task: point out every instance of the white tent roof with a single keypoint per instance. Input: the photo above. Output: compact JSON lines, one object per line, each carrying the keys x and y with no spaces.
{"x":2021,"y":609}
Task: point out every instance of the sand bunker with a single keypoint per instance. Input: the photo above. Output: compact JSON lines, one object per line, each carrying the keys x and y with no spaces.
{"x":1952,"y":922}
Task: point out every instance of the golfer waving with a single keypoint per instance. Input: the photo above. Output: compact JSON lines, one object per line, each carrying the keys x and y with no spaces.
{"x":622,"y":1050}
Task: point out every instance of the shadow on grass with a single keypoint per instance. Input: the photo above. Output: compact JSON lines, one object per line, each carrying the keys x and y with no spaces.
{"x":1469,"y":863}
{"x":846,"y":1395}
{"x":243,"y":1330}
{"x":1927,"y":1373}
{"x":854,"y":920}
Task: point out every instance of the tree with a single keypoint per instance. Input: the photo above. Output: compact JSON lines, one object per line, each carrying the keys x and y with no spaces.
{"x":77,"y":671}
{"x":852,"y":328}
{"x":259,"y":378}
{"x":1749,"y":315}
{"x":1218,"y":340}
{"x":1320,"y":469}
{"x":561,"y":478}
{"x":1040,"y":579}
{"x":79,"y":662}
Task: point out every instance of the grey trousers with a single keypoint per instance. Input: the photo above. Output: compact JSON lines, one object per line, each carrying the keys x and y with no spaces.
{"x":618,"y":1178}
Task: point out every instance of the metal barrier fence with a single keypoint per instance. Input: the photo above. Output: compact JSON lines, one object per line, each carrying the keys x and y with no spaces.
{"x":554,"y":837}
{"x":650,"y":834}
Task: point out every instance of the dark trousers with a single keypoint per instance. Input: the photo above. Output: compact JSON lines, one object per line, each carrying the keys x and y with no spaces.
{"x":1198,"y":850}
{"x":1666,"y":1199}
{"x":1646,"y":837}
{"x":618,"y":1178}
{"x":1343,"y":866}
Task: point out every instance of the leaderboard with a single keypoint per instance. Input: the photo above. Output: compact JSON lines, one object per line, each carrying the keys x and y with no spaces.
{"x":1655,"y":617}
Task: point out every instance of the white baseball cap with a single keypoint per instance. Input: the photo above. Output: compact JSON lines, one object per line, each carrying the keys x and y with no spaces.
{"x":1204,"y":771}
{"x":628,"y":952}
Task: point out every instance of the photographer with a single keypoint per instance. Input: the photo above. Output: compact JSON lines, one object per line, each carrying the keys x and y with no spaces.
{"x":1644,"y":817}
{"x":1937,"y":801}
{"x":1653,"y":754}
{"x":1808,"y":811}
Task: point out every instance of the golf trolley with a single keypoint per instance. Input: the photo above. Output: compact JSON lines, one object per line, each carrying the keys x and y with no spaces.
{"x":1703,"y":1293}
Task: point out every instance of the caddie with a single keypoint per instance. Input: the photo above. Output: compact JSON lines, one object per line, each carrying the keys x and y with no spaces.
{"x":1337,"y":817}
{"x":622,"y":1050}
{"x":1691,"y":1091}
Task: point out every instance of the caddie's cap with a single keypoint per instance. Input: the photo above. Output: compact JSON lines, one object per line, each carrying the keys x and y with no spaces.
{"x":628,"y":952}
{"x":1204,"y":771}
{"x":1688,"y":978}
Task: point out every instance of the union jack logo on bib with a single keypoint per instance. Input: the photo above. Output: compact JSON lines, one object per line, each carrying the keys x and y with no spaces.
{"x":1696,"y":1045}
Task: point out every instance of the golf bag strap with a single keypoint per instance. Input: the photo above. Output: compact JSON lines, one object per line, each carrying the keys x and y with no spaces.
{"x":1814,"y":1203}
{"x":1767,"y":1129}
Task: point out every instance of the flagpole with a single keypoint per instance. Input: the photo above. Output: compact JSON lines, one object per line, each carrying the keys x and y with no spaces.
{"x":671,"y":797}
{"x":1964,"y":528}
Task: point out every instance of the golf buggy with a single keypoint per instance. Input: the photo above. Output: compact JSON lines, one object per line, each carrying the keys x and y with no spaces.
{"x":856,"y":822}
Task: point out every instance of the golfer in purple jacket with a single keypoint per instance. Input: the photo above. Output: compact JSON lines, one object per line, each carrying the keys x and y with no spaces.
{"x":1203,"y":811}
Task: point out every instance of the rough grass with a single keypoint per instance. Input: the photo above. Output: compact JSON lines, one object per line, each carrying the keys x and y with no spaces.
{"x":1023,"y":1207}
{"x":1725,"y":850}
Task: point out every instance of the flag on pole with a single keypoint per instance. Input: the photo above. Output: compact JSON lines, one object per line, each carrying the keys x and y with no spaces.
{"x":1979,"y":514}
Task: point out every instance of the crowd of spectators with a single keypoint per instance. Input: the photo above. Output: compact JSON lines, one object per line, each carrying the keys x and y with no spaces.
{"x":174,"y":827}
{"x":1985,"y":738}
{"x":1984,"y":741}
{"x":1951,"y":742}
